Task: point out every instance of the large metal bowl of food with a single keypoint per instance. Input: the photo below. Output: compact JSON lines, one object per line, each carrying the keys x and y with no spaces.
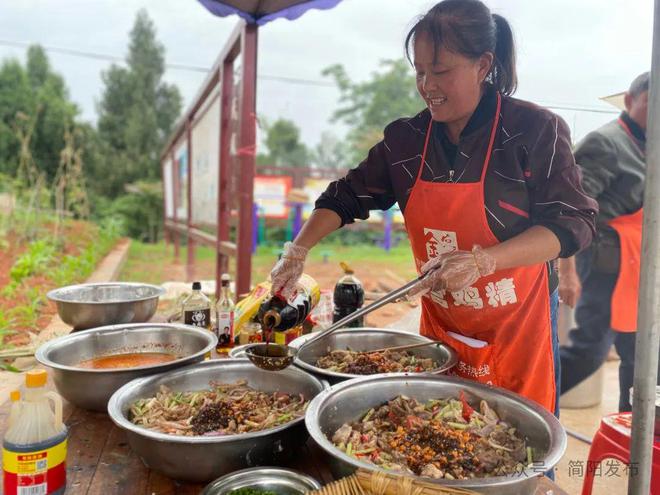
{"x":93,"y":305}
{"x":231,"y":416}
{"x":88,"y":366}
{"x":327,"y":357}
{"x":417,"y":425}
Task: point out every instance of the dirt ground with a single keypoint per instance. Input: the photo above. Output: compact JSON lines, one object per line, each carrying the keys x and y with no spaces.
{"x":26,"y":309}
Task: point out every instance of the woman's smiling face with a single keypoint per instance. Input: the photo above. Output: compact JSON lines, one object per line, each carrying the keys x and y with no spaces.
{"x":449,"y":83}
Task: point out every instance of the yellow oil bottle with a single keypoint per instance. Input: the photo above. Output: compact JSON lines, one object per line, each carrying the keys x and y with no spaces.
{"x":34,"y":446}
{"x":15,"y":411}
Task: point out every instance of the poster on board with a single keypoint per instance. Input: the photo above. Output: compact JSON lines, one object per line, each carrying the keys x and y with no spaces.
{"x":313,"y":188}
{"x":181,"y":159}
{"x":168,"y":186}
{"x":270,"y":193}
{"x":205,"y":137}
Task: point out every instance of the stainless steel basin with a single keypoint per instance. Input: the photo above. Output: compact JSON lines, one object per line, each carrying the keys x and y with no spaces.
{"x":93,"y":305}
{"x":278,"y":480}
{"x":91,"y":388}
{"x":200,"y":458}
{"x":366,"y":339}
{"x":348,"y":401}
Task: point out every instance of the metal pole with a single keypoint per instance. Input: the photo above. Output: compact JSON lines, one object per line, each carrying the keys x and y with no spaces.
{"x":247,"y":160}
{"x":648,"y":337}
{"x":176,"y":186}
{"x":224,"y":171}
{"x":255,"y":227}
{"x":190,"y":259}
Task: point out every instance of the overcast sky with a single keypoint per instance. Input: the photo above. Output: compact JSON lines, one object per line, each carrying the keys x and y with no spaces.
{"x":570,"y":52}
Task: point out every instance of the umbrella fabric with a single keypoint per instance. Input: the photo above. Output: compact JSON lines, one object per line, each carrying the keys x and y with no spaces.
{"x":262,"y":11}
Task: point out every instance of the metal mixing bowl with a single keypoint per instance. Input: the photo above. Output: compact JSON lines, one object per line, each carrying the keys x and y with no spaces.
{"x":93,"y":305}
{"x":366,"y":339}
{"x":203,"y":458}
{"x":348,"y":401}
{"x":92,"y":388}
{"x":279,"y":480}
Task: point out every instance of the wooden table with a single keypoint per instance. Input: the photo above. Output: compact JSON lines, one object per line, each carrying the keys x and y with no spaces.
{"x":100,"y":461}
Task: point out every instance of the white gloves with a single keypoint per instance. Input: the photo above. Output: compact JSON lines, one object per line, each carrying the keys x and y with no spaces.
{"x":455,"y":271}
{"x":287,"y":270}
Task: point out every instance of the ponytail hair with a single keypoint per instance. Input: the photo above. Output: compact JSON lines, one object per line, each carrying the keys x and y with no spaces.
{"x":503,"y":74}
{"x":467,"y":27}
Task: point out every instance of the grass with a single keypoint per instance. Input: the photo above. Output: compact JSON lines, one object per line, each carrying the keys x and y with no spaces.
{"x":45,"y":263}
{"x":148,"y":263}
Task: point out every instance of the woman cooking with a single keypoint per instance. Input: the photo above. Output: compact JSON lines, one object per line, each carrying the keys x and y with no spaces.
{"x":490,"y":194}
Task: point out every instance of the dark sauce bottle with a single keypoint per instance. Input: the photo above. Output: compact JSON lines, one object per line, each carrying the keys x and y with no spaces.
{"x":280,"y":315}
{"x":348,"y":297}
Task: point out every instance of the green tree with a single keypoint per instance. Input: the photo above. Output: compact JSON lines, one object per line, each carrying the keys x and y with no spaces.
{"x":367,"y":107}
{"x":137,"y":111}
{"x":140,"y":211}
{"x":330,"y":153}
{"x":55,"y":112}
{"x":15,"y":97}
{"x":40,"y":94}
{"x":284,"y":146}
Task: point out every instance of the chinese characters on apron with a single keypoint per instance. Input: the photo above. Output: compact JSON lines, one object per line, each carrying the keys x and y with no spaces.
{"x":509,"y":310}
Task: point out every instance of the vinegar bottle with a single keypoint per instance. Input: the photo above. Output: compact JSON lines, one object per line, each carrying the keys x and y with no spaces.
{"x":34,"y":446}
{"x":225,"y":317}
{"x":276,"y":313}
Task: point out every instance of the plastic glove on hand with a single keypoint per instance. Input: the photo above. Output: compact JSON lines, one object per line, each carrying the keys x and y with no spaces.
{"x":287,"y":270}
{"x":455,"y":271}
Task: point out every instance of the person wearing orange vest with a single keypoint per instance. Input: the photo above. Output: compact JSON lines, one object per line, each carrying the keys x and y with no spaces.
{"x":490,"y":194}
{"x":602,"y":282}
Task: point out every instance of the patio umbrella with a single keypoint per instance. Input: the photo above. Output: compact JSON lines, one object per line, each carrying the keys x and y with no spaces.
{"x":262,"y":11}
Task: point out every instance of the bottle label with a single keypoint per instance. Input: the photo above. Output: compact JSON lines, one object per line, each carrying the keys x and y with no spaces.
{"x":225,"y":329}
{"x":34,"y":473}
{"x":198,"y":318}
{"x":311,"y":288}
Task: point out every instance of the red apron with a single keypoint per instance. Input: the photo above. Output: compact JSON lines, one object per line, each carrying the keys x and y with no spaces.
{"x":626,"y":291}
{"x":509,"y":310}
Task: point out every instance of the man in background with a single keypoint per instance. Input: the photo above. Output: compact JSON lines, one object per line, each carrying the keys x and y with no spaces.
{"x":603,"y":280}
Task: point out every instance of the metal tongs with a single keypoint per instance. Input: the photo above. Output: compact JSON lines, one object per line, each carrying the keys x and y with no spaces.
{"x":276,"y":357}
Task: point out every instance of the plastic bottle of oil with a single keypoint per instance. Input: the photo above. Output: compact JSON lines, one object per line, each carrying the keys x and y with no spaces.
{"x":15,"y":411}
{"x":34,"y":446}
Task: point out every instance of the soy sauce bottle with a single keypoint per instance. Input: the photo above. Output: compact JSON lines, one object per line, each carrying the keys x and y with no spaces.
{"x":197,"y":308}
{"x":348,"y":297}
{"x":278,"y":314}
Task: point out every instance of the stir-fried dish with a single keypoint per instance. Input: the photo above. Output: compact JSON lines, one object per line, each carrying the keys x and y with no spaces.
{"x":442,"y":438}
{"x":224,"y":409}
{"x":370,"y":363}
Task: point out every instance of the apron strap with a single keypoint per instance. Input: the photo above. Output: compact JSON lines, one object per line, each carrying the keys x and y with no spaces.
{"x":426,"y":145}
{"x":489,"y":151}
{"x":493,"y":132}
